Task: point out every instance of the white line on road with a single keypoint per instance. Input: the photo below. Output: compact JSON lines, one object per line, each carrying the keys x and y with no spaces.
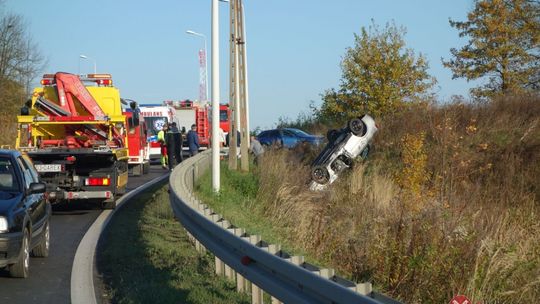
{"x":82,"y":273}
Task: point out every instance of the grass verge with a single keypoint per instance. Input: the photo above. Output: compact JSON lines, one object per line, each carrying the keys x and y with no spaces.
{"x":238,"y":203}
{"x":145,"y":257}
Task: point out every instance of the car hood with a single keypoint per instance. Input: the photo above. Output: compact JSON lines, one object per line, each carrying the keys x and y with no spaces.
{"x":8,"y":200}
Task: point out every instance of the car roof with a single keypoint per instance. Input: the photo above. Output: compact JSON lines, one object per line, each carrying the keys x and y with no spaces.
{"x":13,"y":153}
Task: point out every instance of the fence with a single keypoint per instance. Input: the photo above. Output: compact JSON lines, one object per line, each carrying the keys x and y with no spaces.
{"x":256,"y":266}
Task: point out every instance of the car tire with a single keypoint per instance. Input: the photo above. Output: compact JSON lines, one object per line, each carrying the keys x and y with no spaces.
{"x":42,"y":249}
{"x":320,"y":175}
{"x":21,"y":268}
{"x":357,"y":127}
{"x":332,"y":135}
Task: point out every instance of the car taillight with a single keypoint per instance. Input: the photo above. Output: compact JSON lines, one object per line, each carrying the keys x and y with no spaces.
{"x":97,"y":181}
{"x":46,"y":82}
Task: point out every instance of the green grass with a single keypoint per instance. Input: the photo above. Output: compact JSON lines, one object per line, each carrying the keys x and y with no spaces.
{"x":237,"y":202}
{"x":145,"y":257}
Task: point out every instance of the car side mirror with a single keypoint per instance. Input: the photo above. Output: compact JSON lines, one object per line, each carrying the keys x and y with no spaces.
{"x":37,"y":188}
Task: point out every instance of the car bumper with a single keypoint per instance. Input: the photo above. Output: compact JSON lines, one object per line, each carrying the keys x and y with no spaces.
{"x":10,"y":245}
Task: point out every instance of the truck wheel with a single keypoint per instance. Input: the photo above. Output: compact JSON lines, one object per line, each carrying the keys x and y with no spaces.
{"x":42,"y":249}
{"x":146,"y":167}
{"x":357,"y":127}
{"x":137,"y":170}
{"x":320,"y":175}
{"x":21,"y":268}
{"x":109,"y":203}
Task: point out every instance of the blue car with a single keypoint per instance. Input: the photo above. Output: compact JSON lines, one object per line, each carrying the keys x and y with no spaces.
{"x":288,"y":137}
{"x":24,"y":213}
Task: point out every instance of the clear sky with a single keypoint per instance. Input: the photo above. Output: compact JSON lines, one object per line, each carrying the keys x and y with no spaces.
{"x":294,"y":47}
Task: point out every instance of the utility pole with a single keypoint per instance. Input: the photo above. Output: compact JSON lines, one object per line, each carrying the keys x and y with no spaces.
{"x":238,"y":89}
{"x":233,"y":90}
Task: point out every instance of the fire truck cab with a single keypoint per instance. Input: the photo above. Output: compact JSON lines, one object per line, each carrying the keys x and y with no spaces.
{"x":137,"y":138}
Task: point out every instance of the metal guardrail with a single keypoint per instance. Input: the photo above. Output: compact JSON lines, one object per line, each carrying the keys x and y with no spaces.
{"x":255,"y":265}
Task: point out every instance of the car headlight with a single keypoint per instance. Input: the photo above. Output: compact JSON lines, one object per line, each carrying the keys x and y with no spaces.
{"x":3,"y":224}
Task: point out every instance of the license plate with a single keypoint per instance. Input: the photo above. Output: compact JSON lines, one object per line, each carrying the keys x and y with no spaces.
{"x":49,"y":168}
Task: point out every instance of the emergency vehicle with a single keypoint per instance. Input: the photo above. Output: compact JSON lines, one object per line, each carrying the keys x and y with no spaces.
{"x":74,"y":132}
{"x":137,"y":138}
{"x":155,"y":116}
{"x":188,"y":113}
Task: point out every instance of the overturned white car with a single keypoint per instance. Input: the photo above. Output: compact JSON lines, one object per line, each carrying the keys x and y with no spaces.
{"x":343,"y":147}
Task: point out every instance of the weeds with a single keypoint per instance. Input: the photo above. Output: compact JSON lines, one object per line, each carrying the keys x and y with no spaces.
{"x":447,"y":204}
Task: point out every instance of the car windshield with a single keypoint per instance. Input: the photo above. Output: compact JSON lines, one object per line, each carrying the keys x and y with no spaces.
{"x":8,"y":179}
{"x":298,"y":132}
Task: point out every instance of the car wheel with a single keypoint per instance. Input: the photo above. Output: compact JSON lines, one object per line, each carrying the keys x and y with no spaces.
{"x":42,"y":249}
{"x":357,"y":127}
{"x":332,"y":135}
{"x":21,"y":268}
{"x":320,"y":175}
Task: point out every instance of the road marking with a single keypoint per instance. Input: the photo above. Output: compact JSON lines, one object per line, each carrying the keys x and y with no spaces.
{"x":82,"y":272}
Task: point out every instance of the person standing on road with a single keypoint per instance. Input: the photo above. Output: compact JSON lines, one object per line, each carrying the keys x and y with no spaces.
{"x":193,"y":141}
{"x":221,"y":136}
{"x":171,"y":146}
{"x":177,"y":138}
{"x":163,"y":144}
{"x":256,"y":149}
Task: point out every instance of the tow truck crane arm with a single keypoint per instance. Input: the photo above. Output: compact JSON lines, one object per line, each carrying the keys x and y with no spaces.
{"x":69,"y":85}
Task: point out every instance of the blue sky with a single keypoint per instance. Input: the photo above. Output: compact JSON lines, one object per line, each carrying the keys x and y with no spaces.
{"x":294,"y":47}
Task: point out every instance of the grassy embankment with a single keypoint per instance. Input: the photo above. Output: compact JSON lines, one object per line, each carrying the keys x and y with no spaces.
{"x":146,"y":257}
{"x":448,"y":203}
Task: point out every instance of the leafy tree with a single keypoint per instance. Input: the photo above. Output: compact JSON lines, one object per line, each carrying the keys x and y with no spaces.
{"x":504,"y":46}
{"x":378,"y":76}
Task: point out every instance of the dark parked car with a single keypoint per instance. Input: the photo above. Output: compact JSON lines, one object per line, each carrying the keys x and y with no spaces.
{"x":24,"y":214}
{"x":288,"y":137}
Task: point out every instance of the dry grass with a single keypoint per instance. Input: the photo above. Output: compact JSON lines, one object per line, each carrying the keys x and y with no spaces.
{"x":448,"y":203}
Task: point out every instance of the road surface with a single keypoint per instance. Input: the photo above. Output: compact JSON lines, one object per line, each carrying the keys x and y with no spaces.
{"x":50,"y":278}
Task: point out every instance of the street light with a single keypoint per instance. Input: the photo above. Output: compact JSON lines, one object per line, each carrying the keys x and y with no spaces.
{"x":190,"y":32}
{"x":89,"y":58}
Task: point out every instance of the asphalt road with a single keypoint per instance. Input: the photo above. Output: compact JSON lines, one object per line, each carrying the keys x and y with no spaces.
{"x":50,"y":278}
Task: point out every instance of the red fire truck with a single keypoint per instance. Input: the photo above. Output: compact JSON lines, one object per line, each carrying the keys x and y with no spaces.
{"x":188,"y":113}
{"x":137,"y":138}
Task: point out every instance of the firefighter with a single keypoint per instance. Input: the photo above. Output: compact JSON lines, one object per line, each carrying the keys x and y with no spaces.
{"x":193,"y":141}
{"x":162,"y":142}
{"x":174,"y":148}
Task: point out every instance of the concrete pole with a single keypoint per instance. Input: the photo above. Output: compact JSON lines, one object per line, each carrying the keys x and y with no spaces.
{"x":246,"y":87}
{"x":215,"y":97}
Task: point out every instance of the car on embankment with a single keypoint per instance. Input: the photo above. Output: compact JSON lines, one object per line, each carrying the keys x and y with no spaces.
{"x":24,"y":214}
{"x":344,"y":146}
{"x":288,"y":137}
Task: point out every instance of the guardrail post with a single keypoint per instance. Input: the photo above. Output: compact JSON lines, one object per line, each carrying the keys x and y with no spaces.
{"x":273,"y":249}
{"x":364,"y":288}
{"x":229,"y":272}
{"x":256,"y":292}
{"x":327,"y":273}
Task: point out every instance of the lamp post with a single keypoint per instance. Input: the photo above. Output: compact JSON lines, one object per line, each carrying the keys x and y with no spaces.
{"x":89,"y":58}
{"x":190,"y":32}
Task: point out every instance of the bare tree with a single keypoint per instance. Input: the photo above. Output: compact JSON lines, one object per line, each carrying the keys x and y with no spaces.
{"x":20,"y":58}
